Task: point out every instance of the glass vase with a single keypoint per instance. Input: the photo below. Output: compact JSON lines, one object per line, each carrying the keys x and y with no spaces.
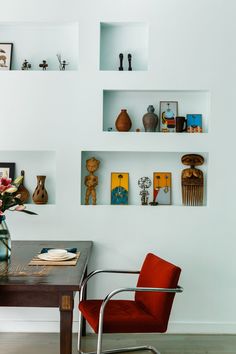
{"x":5,"y":241}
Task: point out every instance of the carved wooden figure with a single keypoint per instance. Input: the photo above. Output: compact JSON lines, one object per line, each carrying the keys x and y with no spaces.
{"x":192,"y":180}
{"x":91,"y":181}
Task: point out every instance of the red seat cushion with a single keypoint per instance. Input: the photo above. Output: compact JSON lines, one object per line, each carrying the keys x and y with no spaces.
{"x":120,"y":316}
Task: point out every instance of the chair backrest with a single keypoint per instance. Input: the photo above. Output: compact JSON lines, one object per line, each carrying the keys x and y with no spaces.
{"x":158,"y":273}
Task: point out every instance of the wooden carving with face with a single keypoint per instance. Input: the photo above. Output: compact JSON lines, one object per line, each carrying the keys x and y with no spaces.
{"x":91,"y":181}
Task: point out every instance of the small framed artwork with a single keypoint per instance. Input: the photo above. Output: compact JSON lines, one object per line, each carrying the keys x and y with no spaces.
{"x":194,"y":123}
{"x":161,"y":188}
{"x":7,"y":169}
{"x":168,"y":112}
{"x":119,"y":188}
{"x":6,"y":56}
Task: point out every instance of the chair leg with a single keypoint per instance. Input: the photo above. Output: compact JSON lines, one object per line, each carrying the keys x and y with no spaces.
{"x":80,"y":331}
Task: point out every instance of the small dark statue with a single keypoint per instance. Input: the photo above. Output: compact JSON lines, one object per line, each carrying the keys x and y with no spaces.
{"x":62,"y":63}
{"x":144,"y":183}
{"x":121,"y":57}
{"x":129,"y":61}
{"x":43,"y":65}
{"x":25,"y":65}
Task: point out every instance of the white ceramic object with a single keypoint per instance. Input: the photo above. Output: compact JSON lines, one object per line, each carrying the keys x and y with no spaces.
{"x":56,"y":252}
{"x":47,"y":257}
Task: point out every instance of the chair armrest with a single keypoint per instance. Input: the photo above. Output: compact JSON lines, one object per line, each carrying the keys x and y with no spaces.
{"x":179,"y":289}
{"x":90,"y":275}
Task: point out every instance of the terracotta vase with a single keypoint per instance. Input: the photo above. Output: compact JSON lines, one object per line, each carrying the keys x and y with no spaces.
{"x":123,"y":121}
{"x":150,"y":120}
{"x":40,"y":195}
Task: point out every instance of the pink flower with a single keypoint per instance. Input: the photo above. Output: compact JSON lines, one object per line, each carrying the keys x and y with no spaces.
{"x":5,"y":183}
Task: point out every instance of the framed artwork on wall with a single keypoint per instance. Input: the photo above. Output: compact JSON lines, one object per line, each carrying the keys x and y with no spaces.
{"x":7,"y":169}
{"x":119,"y":188}
{"x":194,"y":123}
{"x":168,"y":112}
{"x":6,"y":56}
{"x":161,"y":188}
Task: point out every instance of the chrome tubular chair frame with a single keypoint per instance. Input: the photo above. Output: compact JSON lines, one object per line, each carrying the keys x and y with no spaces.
{"x":104,"y":303}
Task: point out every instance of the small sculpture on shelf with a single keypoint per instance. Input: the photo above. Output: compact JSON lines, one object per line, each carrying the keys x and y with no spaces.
{"x":123,"y":122}
{"x":144,"y":183}
{"x":192,"y":180}
{"x":25,"y":65}
{"x":43,"y":65}
{"x":22,"y":191}
{"x":62,"y":63}
{"x":91,"y":181}
{"x":121,"y":56}
{"x":150,"y":120}
{"x":40,"y":195}
{"x":129,"y":61}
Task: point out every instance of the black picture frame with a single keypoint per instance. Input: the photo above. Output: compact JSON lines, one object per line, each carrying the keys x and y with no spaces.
{"x":9,"y":167}
{"x":6,"y":50}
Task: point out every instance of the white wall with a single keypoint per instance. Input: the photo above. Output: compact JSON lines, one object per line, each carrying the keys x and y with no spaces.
{"x":191,"y":47}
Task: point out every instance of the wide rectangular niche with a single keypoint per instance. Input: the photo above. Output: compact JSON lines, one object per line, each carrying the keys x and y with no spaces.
{"x":126,"y":38}
{"x":40,"y":41}
{"x":34,"y":163}
{"x":137,"y":101}
{"x":137,"y":164}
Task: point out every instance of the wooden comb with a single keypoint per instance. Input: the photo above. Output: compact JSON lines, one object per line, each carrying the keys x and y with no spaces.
{"x":192,"y":180}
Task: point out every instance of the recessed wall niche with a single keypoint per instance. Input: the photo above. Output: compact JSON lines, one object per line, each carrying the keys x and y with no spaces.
{"x":40,"y":41}
{"x":137,"y":164}
{"x":126,"y":38}
{"x":137,"y":101}
{"x":34,"y":163}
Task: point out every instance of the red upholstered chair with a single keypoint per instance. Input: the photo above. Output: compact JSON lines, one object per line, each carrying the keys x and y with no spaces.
{"x":148,"y":312}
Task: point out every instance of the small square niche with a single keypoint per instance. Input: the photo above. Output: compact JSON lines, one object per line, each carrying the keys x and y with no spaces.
{"x":126,"y":38}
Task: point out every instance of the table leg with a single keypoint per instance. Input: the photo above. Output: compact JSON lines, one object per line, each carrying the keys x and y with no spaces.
{"x":85,"y":297}
{"x":66,"y":319}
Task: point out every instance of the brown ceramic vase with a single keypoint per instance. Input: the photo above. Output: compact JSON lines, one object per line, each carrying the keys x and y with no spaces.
{"x":40,"y":195}
{"x":24,"y":193}
{"x":123,"y":121}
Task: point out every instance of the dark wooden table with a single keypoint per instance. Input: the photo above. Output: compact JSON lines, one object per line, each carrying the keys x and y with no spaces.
{"x":48,"y":286}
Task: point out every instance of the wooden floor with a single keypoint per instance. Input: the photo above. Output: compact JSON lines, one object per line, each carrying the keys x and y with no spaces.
{"x":40,"y":343}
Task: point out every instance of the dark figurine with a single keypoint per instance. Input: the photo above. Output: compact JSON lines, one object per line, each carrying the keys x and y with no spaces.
{"x":25,"y":65}
{"x":43,"y":65}
{"x":62,"y":63}
{"x":129,"y":60}
{"x":121,"y":56}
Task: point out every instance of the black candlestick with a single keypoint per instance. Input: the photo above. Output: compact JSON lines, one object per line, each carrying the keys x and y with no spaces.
{"x":121,"y":56}
{"x":129,"y":60}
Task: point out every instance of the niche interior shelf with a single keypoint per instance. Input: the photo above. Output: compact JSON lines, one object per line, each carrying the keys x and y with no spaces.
{"x":125,"y":38}
{"x":137,"y":101}
{"x":137,"y":164}
{"x":34,"y":163}
{"x":42,"y":41}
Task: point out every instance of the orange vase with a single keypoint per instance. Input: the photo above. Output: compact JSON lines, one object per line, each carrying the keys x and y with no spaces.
{"x":40,"y":195}
{"x":123,"y":121}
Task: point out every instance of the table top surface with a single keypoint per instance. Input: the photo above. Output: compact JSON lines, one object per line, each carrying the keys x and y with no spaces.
{"x":16,"y":274}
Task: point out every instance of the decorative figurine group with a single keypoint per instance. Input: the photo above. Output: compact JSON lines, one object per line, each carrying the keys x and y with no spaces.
{"x":44,"y":65}
{"x":121,"y":57}
{"x":192,"y":183}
